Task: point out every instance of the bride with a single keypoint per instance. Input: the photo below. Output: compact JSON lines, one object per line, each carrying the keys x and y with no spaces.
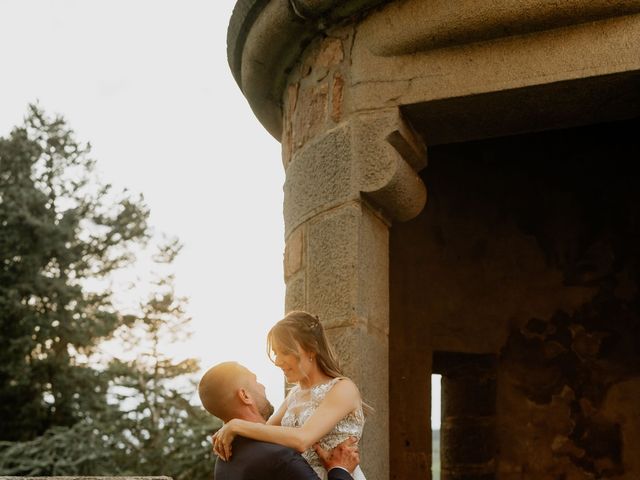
{"x":323,"y":407}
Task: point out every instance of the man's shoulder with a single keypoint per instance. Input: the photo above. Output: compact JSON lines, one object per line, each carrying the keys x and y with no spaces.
{"x":253,"y":458}
{"x":242,"y":443}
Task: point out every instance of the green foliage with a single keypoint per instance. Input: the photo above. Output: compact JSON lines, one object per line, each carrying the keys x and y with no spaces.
{"x":162,"y":431}
{"x":60,"y":414}
{"x":59,"y":227}
{"x":79,"y":450}
{"x":101,"y":449}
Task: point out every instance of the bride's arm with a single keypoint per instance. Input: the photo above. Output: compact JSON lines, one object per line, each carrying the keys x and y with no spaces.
{"x":342,"y":399}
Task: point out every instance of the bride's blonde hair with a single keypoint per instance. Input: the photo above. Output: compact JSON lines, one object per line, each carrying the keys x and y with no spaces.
{"x":302,"y":328}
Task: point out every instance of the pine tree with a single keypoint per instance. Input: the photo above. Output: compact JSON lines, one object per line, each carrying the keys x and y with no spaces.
{"x":151,"y":428}
{"x":61,"y":413}
{"x":163,"y":433}
{"x":59,"y":227}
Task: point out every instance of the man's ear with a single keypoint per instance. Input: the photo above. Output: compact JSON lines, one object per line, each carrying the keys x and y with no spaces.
{"x":244,"y":397}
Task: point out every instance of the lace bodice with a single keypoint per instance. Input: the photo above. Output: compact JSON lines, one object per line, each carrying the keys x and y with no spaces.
{"x":301,"y":403}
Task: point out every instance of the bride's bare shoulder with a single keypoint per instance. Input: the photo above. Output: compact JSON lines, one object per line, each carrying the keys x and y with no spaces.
{"x":345,"y":389}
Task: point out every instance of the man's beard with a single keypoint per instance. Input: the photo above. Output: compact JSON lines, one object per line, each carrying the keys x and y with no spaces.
{"x":266,"y":409}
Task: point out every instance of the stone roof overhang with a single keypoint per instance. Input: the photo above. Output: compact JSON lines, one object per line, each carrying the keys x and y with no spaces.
{"x":265,"y":39}
{"x":581,"y":54}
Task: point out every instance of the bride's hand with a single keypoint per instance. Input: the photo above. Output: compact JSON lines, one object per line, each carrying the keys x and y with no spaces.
{"x":223,"y":439}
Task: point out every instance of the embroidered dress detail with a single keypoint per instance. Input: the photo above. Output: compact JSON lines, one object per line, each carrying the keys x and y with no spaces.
{"x":301,"y":405}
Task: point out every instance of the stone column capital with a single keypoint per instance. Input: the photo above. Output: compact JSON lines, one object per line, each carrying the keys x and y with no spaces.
{"x":372,"y":155}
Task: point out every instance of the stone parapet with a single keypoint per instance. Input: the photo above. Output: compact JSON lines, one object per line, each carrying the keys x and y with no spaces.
{"x":456,"y":48}
{"x":507,"y":63}
{"x":85,"y":477}
{"x":444,"y":23}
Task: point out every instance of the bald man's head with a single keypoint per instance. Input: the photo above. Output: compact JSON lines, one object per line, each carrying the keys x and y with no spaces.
{"x":229,"y":390}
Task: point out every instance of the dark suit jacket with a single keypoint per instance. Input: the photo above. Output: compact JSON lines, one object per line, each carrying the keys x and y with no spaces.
{"x":253,"y":460}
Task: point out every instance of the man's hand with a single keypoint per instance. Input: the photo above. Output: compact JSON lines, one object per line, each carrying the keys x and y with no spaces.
{"x":345,"y":455}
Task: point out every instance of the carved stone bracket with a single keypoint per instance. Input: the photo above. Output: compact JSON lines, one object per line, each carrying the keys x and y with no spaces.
{"x":388,"y":155}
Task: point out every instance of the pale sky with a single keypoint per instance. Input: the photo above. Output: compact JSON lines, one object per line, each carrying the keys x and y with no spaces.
{"x":147,"y":83}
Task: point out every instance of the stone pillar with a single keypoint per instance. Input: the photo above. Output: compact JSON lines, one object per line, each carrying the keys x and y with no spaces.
{"x":343,"y":189}
{"x":411,"y":359}
{"x":468,"y":431}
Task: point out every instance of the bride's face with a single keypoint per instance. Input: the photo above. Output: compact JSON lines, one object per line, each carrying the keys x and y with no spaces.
{"x":294,"y":367}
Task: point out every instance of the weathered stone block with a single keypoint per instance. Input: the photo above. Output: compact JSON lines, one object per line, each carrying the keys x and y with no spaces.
{"x":372,"y":295}
{"x":347,"y":268}
{"x":295,"y":297}
{"x":363,"y":355}
{"x":332,"y":265}
{"x":331,"y":53}
{"x":294,"y":253}
{"x":318,"y":178}
{"x":337,"y":91}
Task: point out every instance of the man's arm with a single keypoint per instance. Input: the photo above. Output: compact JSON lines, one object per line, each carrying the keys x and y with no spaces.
{"x":294,"y":467}
{"x":338,"y":473}
{"x":341,"y":460}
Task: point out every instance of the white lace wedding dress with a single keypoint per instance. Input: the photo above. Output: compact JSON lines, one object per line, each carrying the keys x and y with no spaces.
{"x":301,"y":405}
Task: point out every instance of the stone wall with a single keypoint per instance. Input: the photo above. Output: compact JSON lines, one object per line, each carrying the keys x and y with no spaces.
{"x":528,"y":252}
{"x":503,"y":281}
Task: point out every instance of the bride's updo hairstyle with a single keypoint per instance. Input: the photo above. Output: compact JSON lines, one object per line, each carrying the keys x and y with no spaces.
{"x":302,"y":328}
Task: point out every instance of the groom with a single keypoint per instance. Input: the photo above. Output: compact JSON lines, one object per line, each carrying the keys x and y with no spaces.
{"x":229,"y":390}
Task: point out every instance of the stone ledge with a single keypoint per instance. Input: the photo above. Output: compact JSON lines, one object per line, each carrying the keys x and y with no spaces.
{"x":86,"y":477}
{"x":445,"y":24}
